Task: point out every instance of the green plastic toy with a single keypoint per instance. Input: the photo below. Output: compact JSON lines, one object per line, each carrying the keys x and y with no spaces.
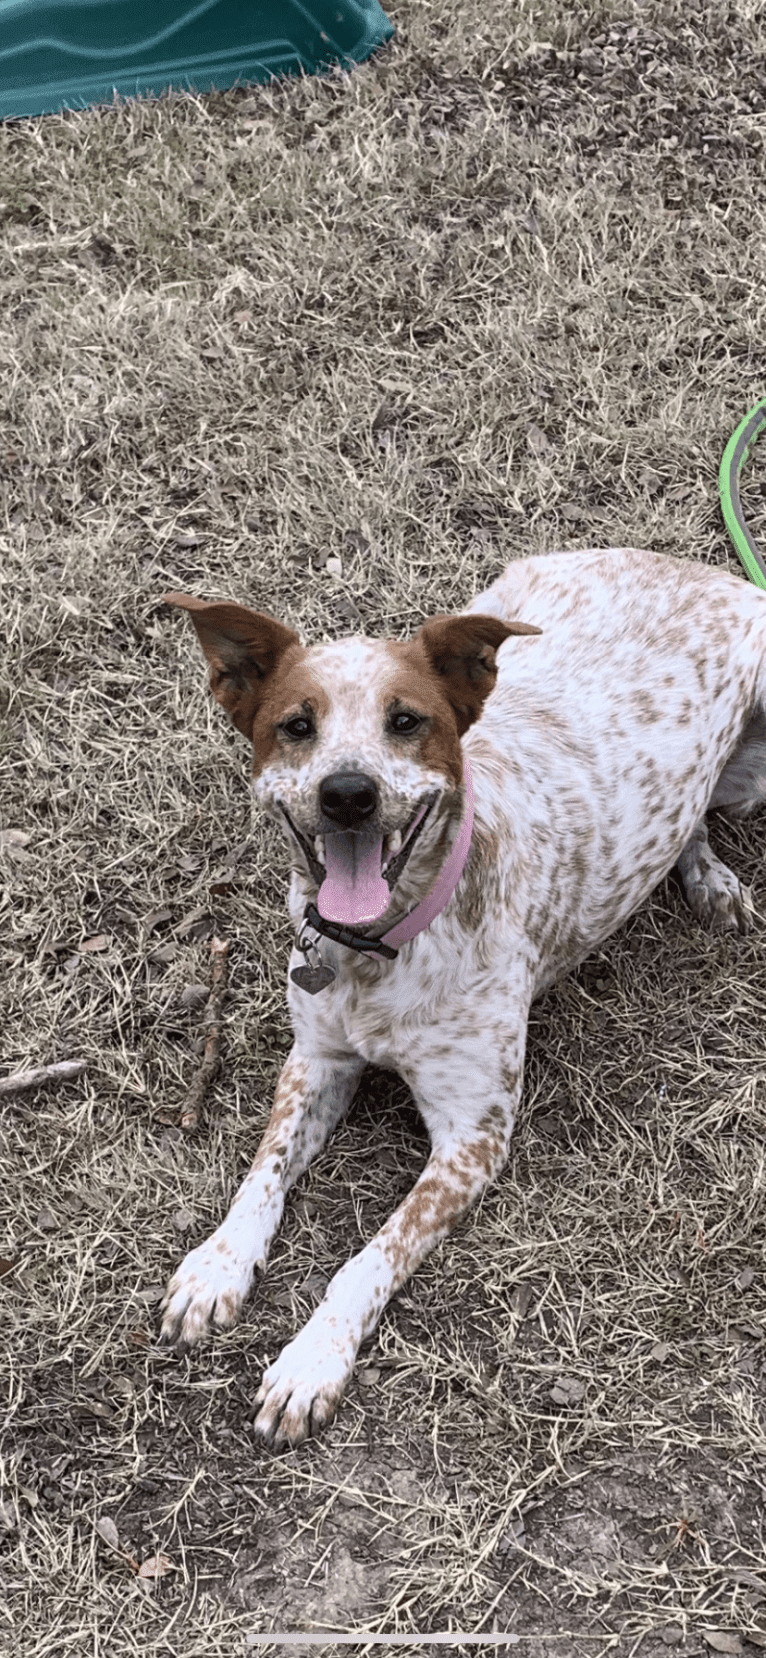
{"x":64,"y":54}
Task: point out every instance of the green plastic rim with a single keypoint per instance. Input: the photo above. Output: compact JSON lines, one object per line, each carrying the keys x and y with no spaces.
{"x":734,"y":456}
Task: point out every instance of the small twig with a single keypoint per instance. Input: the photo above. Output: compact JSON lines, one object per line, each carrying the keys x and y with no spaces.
{"x":211,"y":1059}
{"x":65,"y":1071}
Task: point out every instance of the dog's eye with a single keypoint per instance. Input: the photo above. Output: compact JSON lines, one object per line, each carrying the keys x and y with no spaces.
{"x":402,"y":723}
{"x":298,"y":727}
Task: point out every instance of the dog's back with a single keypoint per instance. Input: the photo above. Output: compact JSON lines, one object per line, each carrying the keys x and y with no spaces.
{"x":620,"y":728}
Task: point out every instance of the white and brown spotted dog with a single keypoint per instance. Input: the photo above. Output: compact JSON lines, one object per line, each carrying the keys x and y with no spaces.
{"x":487,"y":802}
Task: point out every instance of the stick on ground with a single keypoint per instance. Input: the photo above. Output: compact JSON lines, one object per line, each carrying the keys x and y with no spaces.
{"x":211,"y":1059}
{"x":65,"y":1071}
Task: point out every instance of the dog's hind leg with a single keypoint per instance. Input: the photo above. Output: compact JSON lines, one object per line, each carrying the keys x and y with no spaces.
{"x":713,"y":891}
{"x":741,"y":786}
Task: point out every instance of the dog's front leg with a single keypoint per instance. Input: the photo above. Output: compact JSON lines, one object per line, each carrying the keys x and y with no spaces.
{"x":470,"y":1133}
{"x":211,"y":1284}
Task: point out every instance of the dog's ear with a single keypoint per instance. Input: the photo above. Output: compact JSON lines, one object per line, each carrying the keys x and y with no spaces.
{"x":243,"y":647}
{"x":461,"y":650}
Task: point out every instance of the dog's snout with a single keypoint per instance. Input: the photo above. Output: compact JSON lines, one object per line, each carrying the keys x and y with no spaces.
{"x":348,"y":798}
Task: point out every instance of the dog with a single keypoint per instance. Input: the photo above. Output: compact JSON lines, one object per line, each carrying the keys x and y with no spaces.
{"x":470,"y":813}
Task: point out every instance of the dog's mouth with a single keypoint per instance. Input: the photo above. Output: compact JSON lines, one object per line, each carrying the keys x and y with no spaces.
{"x":356,"y":870}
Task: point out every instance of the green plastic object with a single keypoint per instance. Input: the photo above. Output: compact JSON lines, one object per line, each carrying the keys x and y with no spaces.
{"x":734,"y":457}
{"x":64,"y":54}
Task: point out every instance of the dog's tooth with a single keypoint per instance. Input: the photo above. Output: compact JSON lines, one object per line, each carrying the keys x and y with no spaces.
{"x":319,"y":849}
{"x":394,"y":843}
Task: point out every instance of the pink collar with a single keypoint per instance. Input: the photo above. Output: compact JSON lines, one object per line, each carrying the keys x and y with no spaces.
{"x":447,"y":879}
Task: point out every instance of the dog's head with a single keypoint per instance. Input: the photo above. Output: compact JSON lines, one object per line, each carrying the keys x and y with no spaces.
{"x":356,"y":744}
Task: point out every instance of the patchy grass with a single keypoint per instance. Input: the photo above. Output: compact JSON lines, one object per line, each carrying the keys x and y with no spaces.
{"x":498,"y":291}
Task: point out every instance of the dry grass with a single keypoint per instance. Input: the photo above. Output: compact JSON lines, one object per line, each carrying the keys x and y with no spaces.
{"x":476,"y":300}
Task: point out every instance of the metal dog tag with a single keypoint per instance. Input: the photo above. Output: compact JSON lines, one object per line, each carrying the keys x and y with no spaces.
{"x":312,"y":979}
{"x":315,"y":976}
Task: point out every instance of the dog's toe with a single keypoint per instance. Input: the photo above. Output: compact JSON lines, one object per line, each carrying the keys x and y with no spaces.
{"x":207,"y":1289}
{"x":723,"y":906}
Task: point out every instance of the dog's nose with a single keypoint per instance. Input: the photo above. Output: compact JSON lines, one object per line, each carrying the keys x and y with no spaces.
{"x":348,"y":798}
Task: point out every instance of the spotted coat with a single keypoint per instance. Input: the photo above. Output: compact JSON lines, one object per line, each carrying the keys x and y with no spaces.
{"x":596,"y":746}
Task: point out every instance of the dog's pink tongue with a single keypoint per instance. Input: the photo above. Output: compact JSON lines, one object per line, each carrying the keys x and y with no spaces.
{"x":353,"y":890}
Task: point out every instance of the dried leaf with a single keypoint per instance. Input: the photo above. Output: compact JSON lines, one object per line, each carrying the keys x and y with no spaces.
{"x":151,"y":1294}
{"x":745,"y":1278}
{"x":192,"y":923}
{"x":108,"y":1532}
{"x":100,"y":941}
{"x":6,"y":1266}
{"x":660,"y":1351}
{"x":14,"y":841}
{"x":95,"y":1199}
{"x":157,"y":1565}
{"x":7,"y":1517}
{"x":165,"y":953}
{"x":123,"y":1388}
{"x":384,"y":417}
{"x":356,"y":541}
{"x":139,"y":1338}
{"x":194,"y":995}
{"x":521,"y":1297}
{"x":567,"y":1390}
{"x":537,"y":440}
{"x":751,"y":1579}
{"x":723,"y":1640}
{"x":83,"y":1408}
{"x":515,"y":1534}
{"x":45,"y":1220}
{"x":156,"y":917}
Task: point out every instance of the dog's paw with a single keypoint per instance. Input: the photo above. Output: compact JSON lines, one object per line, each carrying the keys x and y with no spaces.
{"x":719,"y":902}
{"x":301,"y":1391}
{"x":208,"y":1288}
{"x":713,"y":892}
